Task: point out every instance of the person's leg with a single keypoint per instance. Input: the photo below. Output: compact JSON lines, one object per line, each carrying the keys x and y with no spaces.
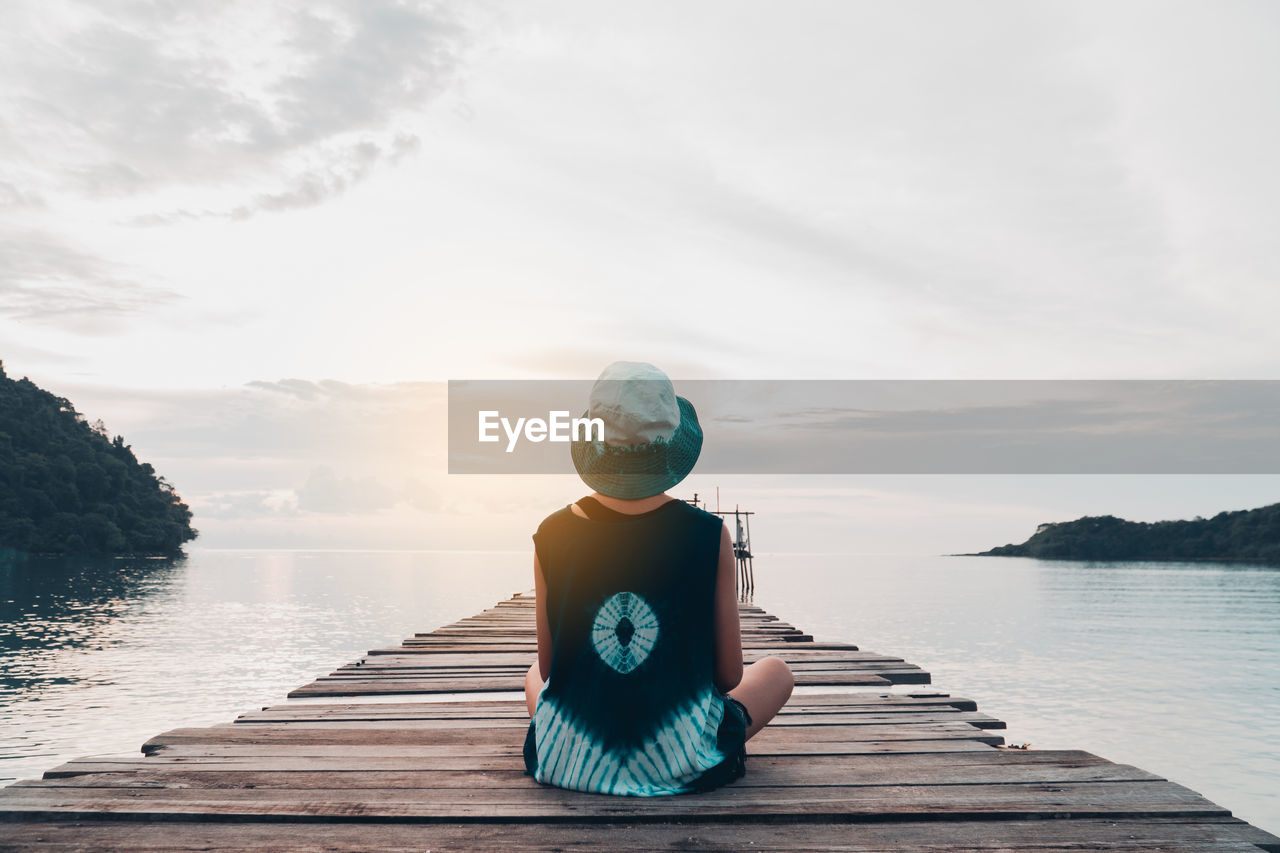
{"x":764,"y":689}
{"x":532,"y":687}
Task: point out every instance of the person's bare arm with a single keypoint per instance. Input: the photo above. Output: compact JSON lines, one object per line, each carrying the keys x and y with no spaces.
{"x":728,"y":631}
{"x":540,"y":619}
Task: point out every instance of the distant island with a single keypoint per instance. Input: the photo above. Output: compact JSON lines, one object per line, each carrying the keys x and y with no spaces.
{"x":1247,"y":534}
{"x":66,"y":487}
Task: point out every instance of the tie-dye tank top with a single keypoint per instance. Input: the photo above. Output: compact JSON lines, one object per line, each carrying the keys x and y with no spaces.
{"x":629,"y":706}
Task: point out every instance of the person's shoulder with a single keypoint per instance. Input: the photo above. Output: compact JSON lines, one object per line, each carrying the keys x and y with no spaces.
{"x":701,"y":515}
{"x":555,"y":519}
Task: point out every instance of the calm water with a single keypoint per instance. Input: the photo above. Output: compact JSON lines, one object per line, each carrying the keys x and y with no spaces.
{"x":1172,"y":667}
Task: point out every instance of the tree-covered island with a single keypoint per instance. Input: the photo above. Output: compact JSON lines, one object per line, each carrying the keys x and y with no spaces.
{"x":67,"y":487}
{"x":1246,"y":534}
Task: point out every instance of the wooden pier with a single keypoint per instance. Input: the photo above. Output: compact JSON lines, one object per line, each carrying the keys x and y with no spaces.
{"x":368,"y":762}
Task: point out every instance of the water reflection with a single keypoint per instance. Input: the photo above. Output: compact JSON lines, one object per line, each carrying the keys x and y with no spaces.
{"x":67,"y":603}
{"x":98,"y":656}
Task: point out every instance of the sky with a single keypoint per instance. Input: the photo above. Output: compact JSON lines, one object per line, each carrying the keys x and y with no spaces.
{"x":257,"y":238}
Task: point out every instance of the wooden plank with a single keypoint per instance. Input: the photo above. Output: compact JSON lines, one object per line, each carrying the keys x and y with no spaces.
{"x":512,"y":711}
{"x":410,"y":665}
{"x":519,"y":639}
{"x":418,"y":732}
{"x":799,"y":700}
{"x":384,"y":688}
{"x":344,"y":686}
{"x":933,"y":768}
{"x":806,"y":703}
{"x":773,"y":771}
{"x":426,"y":645}
{"x":861,"y":717}
{"x":469,"y":779}
{"x":539,"y":802}
{"x":430,"y":753}
{"x":373,"y":680}
{"x":520,"y":716}
{"x":1169,"y":834}
{"x":793,"y":655}
{"x":507,"y":626}
{"x":810,"y":674}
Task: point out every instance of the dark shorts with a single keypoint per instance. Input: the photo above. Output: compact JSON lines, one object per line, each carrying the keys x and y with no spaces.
{"x":731,"y":740}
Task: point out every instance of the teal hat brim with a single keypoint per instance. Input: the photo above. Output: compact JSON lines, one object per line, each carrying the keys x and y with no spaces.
{"x":644,"y":470}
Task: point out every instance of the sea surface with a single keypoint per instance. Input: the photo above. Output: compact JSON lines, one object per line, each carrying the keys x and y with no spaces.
{"x":1172,"y":667}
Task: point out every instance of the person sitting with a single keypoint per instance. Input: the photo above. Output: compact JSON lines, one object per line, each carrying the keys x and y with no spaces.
{"x":639,"y":688}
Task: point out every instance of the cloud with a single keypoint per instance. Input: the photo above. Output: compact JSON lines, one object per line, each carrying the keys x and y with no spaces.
{"x":262,"y":107}
{"x":39,"y":355}
{"x":45,"y":280}
{"x":331,"y":175}
{"x":304,"y":463}
{"x":245,"y":504}
{"x":318,"y":184}
{"x":334,"y":392}
{"x":13,"y":196}
{"x":325,"y":491}
{"x":289,"y":450}
{"x":120,"y":101}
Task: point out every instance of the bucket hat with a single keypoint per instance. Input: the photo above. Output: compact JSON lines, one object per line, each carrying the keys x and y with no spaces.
{"x":652,"y":438}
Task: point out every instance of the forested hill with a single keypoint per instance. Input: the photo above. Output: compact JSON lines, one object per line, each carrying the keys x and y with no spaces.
{"x":1246,"y":534}
{"x":67,"y":488}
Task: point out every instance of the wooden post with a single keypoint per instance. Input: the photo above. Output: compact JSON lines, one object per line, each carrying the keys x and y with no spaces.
{"x":744,"y":560}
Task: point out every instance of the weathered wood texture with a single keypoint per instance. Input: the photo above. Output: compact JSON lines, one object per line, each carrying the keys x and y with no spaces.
{"x":859,"y":771}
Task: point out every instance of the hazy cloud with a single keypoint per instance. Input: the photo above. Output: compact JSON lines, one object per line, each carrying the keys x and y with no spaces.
{"x":12,"y":196}
{"x":326,"y":491}
{"x":318,"y":184}
{"x":116,"y":101}
{"x":282,"y":106}
{"x":332,"y":391}
{"x":299,"y":454}
{"x":247,"y":504}
{"x":1044,"y":189}
{"x":331,"y":175}
{"x":44,"y":280}
{"x":39,"y":354}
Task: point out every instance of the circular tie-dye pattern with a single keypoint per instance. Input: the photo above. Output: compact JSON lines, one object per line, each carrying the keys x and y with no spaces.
{"x":625,"y":631}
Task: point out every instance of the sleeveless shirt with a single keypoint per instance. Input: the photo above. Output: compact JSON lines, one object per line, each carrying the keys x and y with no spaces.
{"x":630,"y":706}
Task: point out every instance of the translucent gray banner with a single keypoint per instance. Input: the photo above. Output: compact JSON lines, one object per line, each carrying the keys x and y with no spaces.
{"x":902,"y":426}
